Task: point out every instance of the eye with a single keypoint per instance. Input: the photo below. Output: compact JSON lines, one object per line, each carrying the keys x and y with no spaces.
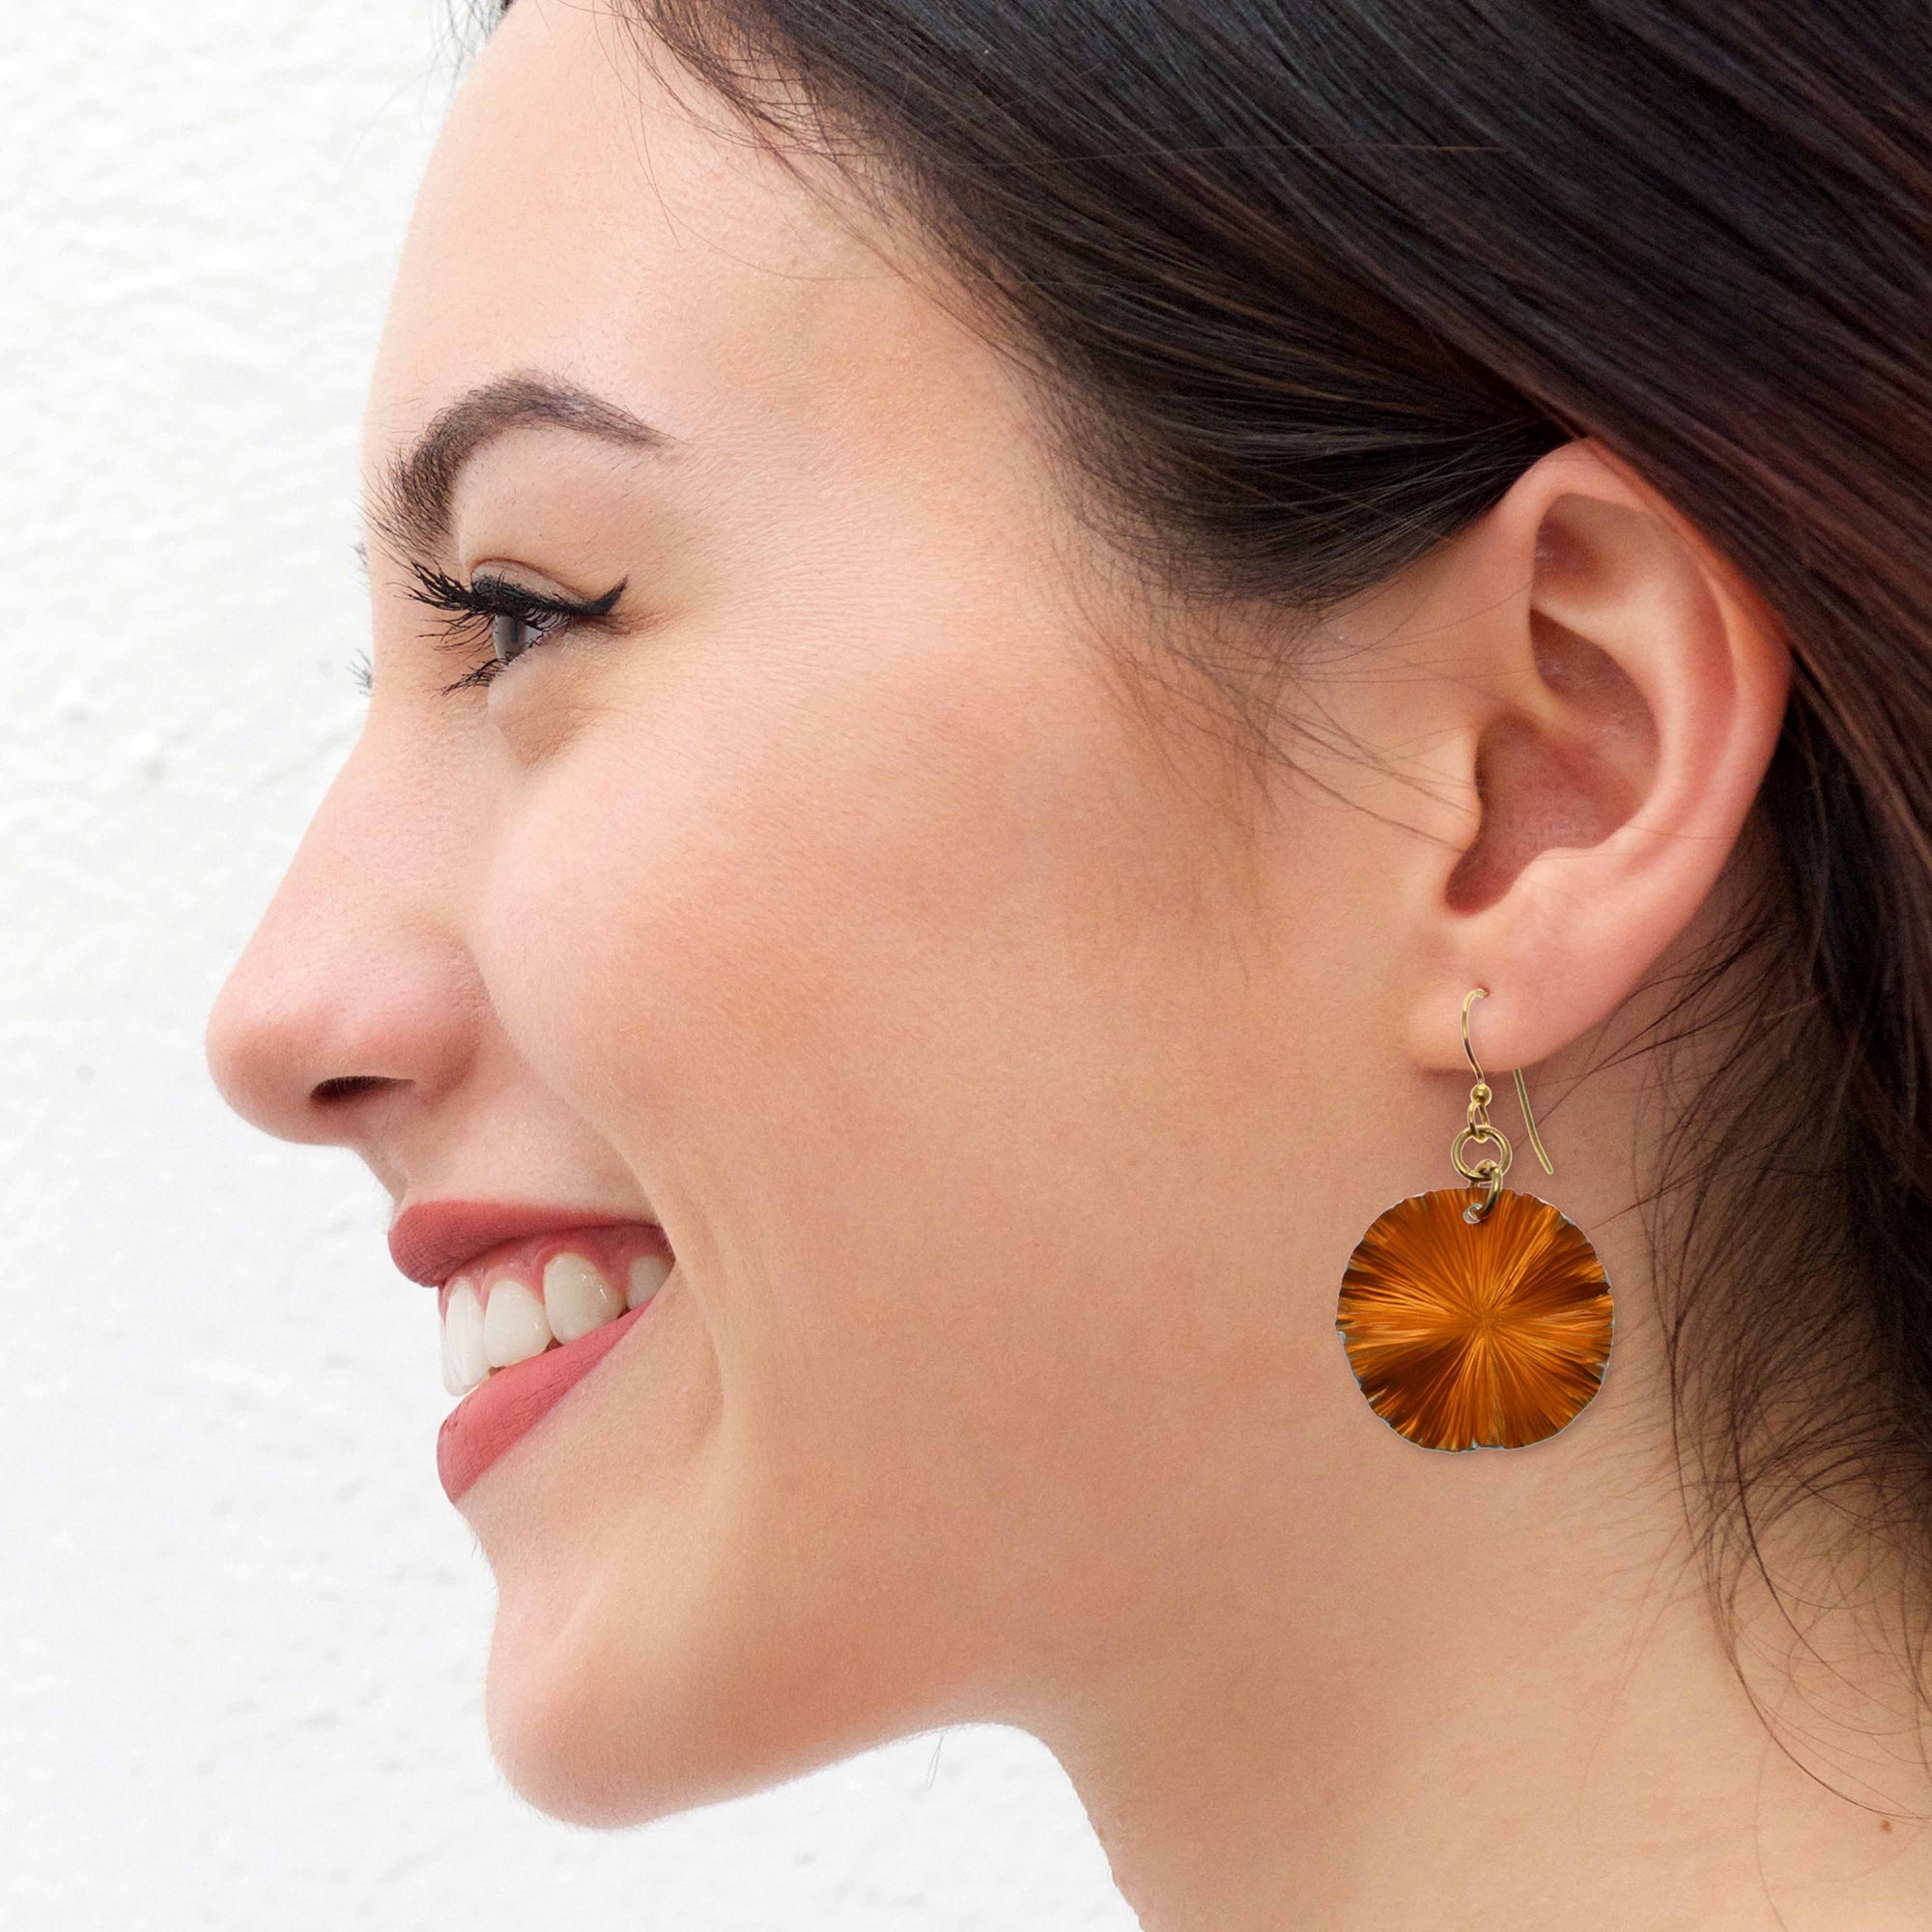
{"x":512,"y":633}
{"x":508,"y":617}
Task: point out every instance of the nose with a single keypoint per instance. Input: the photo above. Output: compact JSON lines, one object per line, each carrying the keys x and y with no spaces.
{"x":354,"y":993}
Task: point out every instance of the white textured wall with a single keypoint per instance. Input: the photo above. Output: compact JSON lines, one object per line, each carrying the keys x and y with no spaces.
{"x":242,"y":1632}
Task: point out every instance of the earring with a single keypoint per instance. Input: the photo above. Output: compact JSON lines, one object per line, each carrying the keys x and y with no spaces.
{"x":1474,"y":1316}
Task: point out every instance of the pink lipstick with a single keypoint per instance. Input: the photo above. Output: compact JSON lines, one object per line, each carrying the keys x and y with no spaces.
{"x":531,"y":1298}
{"x":499,"y":1413}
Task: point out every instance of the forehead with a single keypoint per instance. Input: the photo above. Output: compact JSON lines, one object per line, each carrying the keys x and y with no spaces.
{"x":581,"y":219}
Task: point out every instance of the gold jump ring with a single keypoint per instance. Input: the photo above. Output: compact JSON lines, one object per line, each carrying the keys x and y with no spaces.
{"x":1488,"y":1164}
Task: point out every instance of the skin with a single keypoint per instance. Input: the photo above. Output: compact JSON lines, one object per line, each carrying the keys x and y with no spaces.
{"x":1013,"y":1065}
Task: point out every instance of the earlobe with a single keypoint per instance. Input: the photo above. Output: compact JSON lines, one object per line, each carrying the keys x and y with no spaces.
{"x":1623,"y":696}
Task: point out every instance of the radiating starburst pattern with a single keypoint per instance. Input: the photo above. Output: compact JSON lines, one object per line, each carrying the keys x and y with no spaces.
{"x":1491,"y":1335}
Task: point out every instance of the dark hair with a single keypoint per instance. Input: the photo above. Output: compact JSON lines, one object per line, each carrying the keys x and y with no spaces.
{"x":1310,"y":283}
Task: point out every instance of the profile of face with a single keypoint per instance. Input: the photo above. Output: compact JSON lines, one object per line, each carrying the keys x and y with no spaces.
{"x":808,"y":848}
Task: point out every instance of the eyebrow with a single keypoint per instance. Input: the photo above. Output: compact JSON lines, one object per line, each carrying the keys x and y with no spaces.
{"x":408,"y":510}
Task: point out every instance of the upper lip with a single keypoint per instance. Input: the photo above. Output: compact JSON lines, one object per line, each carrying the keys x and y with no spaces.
{"x":429,"y":1240}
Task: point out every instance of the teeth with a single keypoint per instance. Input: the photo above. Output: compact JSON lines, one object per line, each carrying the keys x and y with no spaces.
{"x":647,"y":1276}
{"x":485,"y":1332}
{"x":577,"y":1299}
{"x":465,"y":1363}
{"x":514,"y":1328}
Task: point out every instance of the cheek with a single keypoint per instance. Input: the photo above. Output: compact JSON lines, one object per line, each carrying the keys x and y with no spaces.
{"x":819,"y":961}
{"x":781,"y":918}
{"x":708,"y":915}
{"x":686,"y":912}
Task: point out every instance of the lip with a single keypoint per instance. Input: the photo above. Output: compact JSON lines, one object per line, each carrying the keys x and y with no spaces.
{"x":498,"y":1414}
{"x":430,"y":1240}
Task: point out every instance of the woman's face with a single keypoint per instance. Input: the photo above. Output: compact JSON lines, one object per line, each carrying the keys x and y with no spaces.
{"x":826,"y":902}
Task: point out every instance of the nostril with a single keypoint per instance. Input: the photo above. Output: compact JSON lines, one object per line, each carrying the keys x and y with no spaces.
{"x":346,"y":1087}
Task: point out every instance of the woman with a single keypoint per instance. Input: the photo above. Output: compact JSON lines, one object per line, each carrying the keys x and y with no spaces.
{"x":1009,"y":642}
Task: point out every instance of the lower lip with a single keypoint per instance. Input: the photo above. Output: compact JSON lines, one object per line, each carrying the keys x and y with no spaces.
{"x":499,"y":1413}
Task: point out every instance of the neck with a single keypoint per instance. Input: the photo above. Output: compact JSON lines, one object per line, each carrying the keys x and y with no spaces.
{"x":1412,"y":1688}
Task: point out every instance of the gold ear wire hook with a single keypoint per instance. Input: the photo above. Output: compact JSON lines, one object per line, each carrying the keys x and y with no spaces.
{"x":1521,"y":1091}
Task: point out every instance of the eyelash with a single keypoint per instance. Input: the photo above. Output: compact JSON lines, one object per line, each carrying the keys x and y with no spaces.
{"x":471,"y":612}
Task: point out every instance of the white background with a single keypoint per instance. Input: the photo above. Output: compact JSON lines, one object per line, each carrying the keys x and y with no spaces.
{"x":242,"y":1632}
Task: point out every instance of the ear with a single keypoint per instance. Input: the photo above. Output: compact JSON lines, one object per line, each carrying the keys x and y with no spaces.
{"x":1618,"y":693}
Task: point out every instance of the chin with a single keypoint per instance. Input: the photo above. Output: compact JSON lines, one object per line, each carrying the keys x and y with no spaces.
{"x":601,"y":1719}
{"x":585,"y":1736}
{"x":671,"y":1642}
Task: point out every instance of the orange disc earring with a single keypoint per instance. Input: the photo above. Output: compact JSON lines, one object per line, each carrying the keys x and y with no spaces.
{"x":1475,"y":1318}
